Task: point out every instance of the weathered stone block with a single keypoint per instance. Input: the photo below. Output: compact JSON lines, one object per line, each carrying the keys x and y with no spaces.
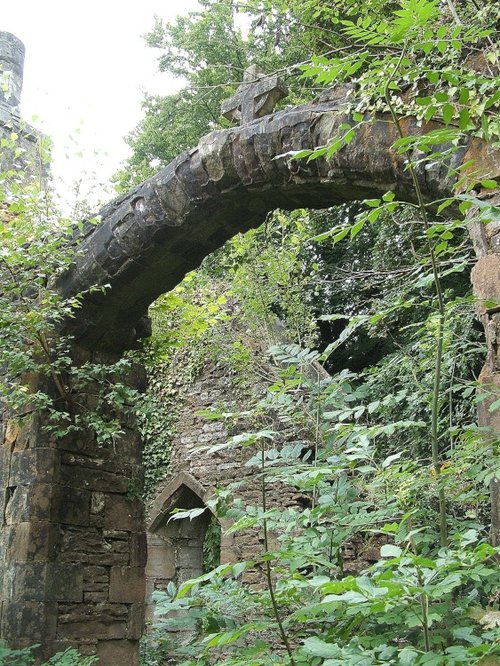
{"x":118,"y":653}
{"x":39,"y":581}
{"x":136,"y":621}
{"x":160,"y":563}
{"x":34,"y":619}
{"x":93,"y":575}
{"x":97,"y":596}
{"x":87,"y":648}
{"x":127,"y":585}
{"x":122,"y":513}
{"x":106,"y":460}
{"x":64,"y":582}
{"x":92,"y":628}
{"x":34,"y":502}
{"x":97,"y":502}
{"x":89,"y":545}
{"x":485,"y":277}
{"x":31,"y":541}
{"x":104,"y":612}
{"x":93,"y":479}
{"x":138,"y":549}
{"x":5,"y":456}
{"x":92,"y":621}
{"x":41,"y":464}
{"x":75,"y":506}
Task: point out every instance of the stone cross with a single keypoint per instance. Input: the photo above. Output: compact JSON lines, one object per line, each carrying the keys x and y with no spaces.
{"x":256,"y":96}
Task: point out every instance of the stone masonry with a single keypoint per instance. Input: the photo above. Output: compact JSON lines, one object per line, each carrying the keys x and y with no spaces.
{"x":203,"y":473}
{"x":72,"y":544}
{"x":72,"y":547}
{"x":23,"y":155}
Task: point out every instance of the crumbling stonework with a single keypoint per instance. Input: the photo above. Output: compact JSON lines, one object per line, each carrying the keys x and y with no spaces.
{"x":151,"y":237}
{"x":202,"y":473}
{"x":21,"y":154}
{"x":72,"y":547}
{"x":486,"y":284}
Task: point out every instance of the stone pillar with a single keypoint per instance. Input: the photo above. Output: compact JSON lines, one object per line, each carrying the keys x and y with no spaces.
{"x":11,"y":73}
{"x":21,"y":154}
{"x":486,"y":284}
{"x":72,"y":543}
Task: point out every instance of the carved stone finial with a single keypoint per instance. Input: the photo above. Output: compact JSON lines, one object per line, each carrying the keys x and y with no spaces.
{"x":256,"y":96}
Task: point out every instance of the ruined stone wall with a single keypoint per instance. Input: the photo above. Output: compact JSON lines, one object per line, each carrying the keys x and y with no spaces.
{"x":189,"y":460}
{"x":72,"y":545}
{"x":486,"y":284}
{"x":20,"y":143}
{"x":204,"y":473}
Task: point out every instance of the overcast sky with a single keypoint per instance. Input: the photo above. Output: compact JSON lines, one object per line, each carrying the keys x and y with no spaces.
{"x":85,"y":69}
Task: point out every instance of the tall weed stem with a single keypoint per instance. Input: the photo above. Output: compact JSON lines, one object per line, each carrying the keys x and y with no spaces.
{"x":269,"y":579}
{"x":436,"y":461}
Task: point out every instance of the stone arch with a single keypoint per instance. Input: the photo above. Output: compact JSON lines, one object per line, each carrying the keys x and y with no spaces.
{"x":151,"y":237}
{"x":73,"y":519}
{"x":175,"y":547}
{"x":167,"y":500}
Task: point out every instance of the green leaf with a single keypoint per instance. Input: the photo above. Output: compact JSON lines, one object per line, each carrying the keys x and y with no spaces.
{"x":464,"y":119}
{"x":445,"y":204}
{"x":464,"y":95}
{"x":448,"y":113}
{"x":492,"y":100}
{"x":390,"y":550}
{"x":238,"y":568}
{"x":320,"y":648}
{"x":334,"y":147}
{"x":408,"y":656}
{"x":356,"y":228}
{"x":390,"y":459}
{"x":341,"y":235}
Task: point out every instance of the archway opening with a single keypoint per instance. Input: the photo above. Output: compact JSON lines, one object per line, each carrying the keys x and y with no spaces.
{"x":179,"y":549}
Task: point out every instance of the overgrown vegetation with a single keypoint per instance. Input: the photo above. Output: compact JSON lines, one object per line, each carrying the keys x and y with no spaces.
{"x":396,"y":458}
{"x":40,"y":372}
{"x":399,"y":462}
{"x":25,"y":657}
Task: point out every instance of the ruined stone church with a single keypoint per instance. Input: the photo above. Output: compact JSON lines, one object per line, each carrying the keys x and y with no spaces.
{"x":76,"y":556}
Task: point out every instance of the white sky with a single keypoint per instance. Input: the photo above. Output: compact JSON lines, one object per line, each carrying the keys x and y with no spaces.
{"x":85,"y":71}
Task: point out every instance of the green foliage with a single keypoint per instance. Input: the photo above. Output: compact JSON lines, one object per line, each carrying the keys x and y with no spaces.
{"x":211,"y":545}
{"x":419,"y":603}
{"x":39,"y":370}
{"x":209,"y":52}
{"x":395,"y":460}
{"x":25,"y":657}
{"x":246,"y":295}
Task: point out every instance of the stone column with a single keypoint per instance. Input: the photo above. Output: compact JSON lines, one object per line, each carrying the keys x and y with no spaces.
{"x":72,"y":544}
{"x":486,"y":284}
{"x":11,"y":72}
